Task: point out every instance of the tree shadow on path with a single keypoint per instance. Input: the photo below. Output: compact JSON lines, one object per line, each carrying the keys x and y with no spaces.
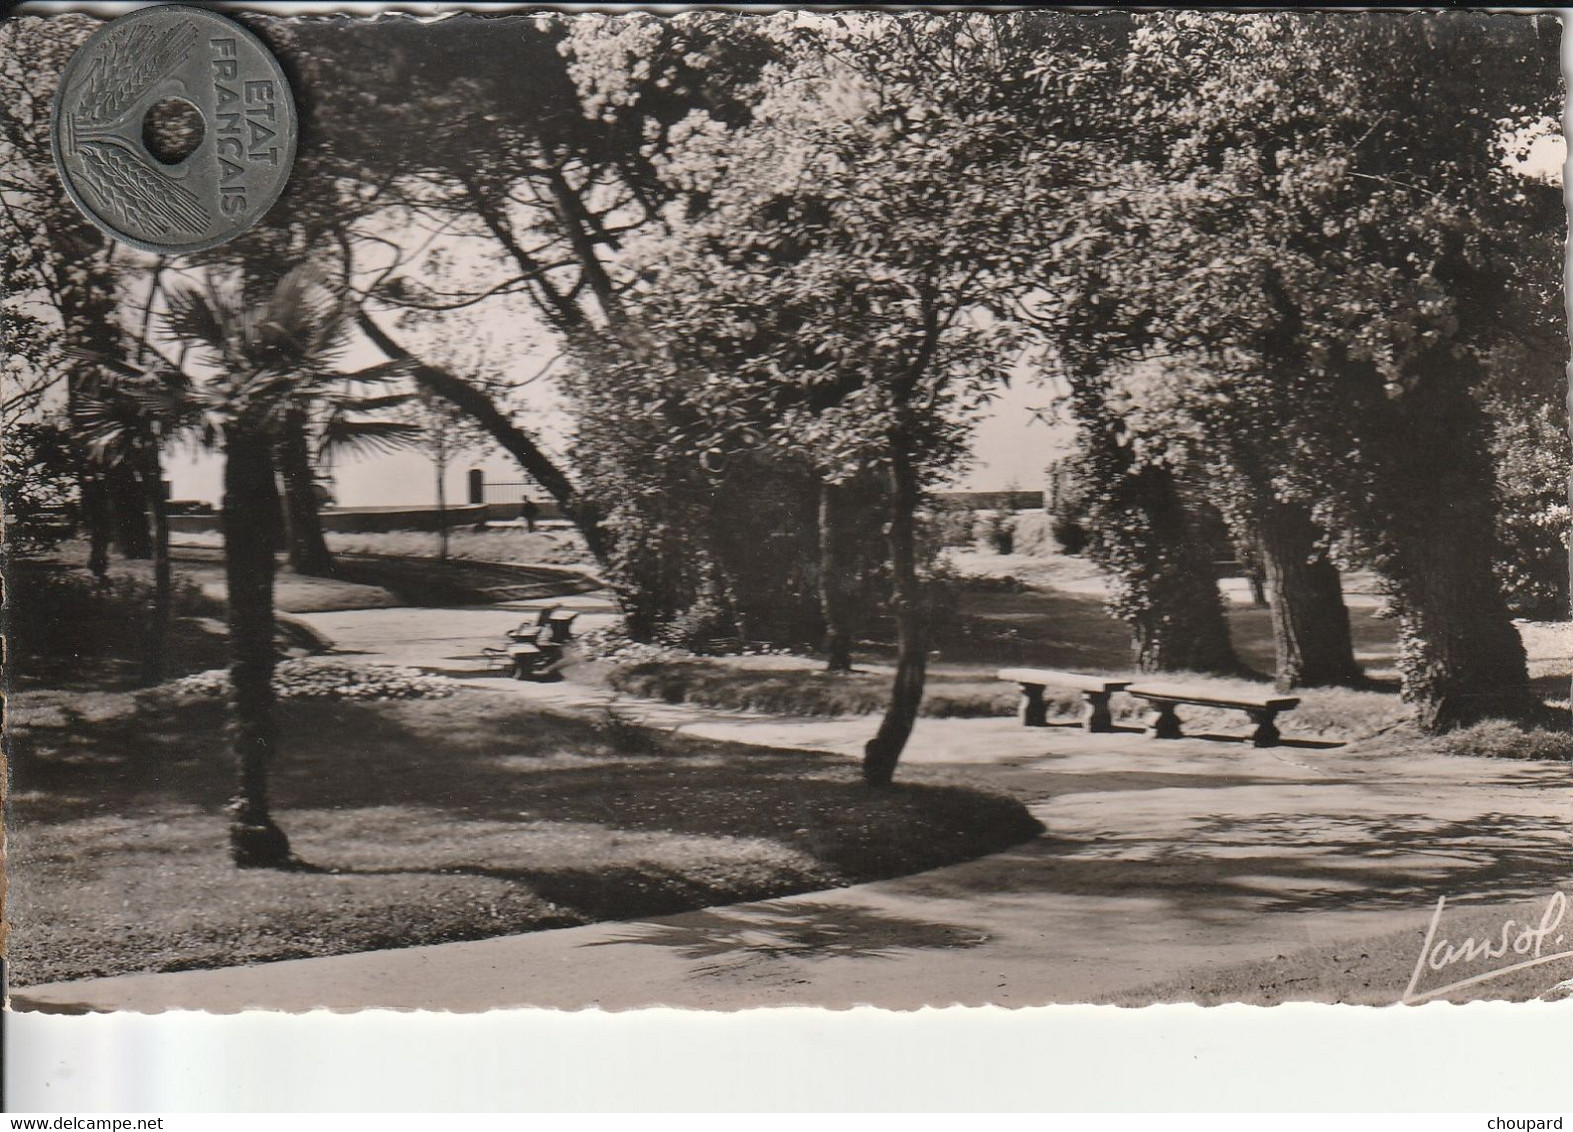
{"x":797,"y":930}
{"x":1228,"y":866}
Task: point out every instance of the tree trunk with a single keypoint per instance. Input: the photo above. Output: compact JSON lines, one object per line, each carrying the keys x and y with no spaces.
{"x":837,"y":586}
{"x":1172,"y":601}
{"x":128,"y":508}
{"x":95,"y":512}
{"x":475,"y":404}
{"x":1460,"y":656}
{"x":881,"y":753}
{"x":157,"y":638}
{"x":250,"y":493}
{"x":442,"y":512}
{"x":1310,"y":621}
{"x":303,"y":537}
{"x":86,"y":293}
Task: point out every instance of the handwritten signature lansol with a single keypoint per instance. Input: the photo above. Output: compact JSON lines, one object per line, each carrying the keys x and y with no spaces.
{"x":1521,"y":944}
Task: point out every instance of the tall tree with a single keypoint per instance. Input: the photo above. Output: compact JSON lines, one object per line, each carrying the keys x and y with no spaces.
{"x":57,"y":262}
{"x":830,"y":299}
{"x":269,"y":354}
{"x":127,"y":421}
{"x":522,"y":202}
{"x":1336,"y":218}
{"x":1140,"y":530}
{"x":1212,"y":429}
{"x":444,"y":437}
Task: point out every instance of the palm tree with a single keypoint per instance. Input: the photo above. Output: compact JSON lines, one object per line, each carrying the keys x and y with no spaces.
{"x":310,"y":436}
{"x":125,"y":421}
{"x":274,"y":352}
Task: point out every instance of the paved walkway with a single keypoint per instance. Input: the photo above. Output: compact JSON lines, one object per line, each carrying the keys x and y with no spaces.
{"x":1158,"y":858}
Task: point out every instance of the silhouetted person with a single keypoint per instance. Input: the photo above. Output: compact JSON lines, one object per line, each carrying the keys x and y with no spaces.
{"x":529,"y":511}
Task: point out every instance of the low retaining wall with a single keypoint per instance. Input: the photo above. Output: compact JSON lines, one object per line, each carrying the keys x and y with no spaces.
{"x":367,"y":520}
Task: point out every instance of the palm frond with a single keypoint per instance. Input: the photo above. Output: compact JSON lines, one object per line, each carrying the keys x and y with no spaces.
{"x":98,"y":357}
{"x":276,"y":343}
{"x":382,"y":371}
{"x":305,"y":316}
{"x":194,"y":317}
{"x":369,"y":438}
{"x":374,"y":404}
{"x":110,"y":428}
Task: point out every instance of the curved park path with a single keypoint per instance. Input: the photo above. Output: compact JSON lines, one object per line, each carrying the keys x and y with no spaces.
{"x":1159,"y":858}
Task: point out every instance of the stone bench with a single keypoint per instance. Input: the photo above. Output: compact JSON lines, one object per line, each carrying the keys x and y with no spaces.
{"x":1165,"y":698}
{"x":1095,"y":692}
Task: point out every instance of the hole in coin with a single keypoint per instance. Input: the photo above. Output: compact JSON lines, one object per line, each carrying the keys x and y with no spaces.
{"x":172,"y":130}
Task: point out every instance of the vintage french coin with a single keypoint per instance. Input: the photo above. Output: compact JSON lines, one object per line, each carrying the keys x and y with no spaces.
{"x":173,"y":129}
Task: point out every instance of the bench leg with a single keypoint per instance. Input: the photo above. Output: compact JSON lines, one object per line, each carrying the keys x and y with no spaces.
{"x":1095,"y":716}
{"x":525,"y":667}
{"x":1164,"y":723}
{"x":1266,"y":733}
{"x":1034,"y":712}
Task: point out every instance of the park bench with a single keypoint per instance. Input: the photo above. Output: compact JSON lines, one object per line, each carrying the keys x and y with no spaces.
{"x":1165,"y":698}
{"x":530,"y":629}
{"x":526,"y":659}
{"x":559,"y":625}
{"x":525,"y":654}
{"x":528,"y":656}
{"x":1095,"y":692}
{"x":555,"y":621}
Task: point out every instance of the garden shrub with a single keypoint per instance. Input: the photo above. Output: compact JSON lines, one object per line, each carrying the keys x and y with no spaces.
{"x":1530,"y":447}
{"x":947,"y":522}
{"x":998,"y":529}
{"x":58,"y":612}
{"x":321,"y":679}
{"x":703,"y":627}
{"x":1501,"y":739}
{"x":1067,"y":504}
{"x":38,"y":486}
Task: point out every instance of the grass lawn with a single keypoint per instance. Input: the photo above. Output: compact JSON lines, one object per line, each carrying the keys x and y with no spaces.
{"x":368,"y":581}
{"x":425,"y":821}
{"x":396,"y":569}
{"x":799,"y":686}
{"x":1377,"y":971}
{"x":65,"y":631}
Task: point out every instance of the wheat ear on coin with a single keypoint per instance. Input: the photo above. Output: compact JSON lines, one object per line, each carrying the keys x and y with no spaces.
{"x":130,"y":62}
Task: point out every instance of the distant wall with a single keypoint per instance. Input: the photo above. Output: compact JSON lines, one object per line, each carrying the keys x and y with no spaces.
{"x":368,"y":520}
{"x":497,"y":512}
{"x":994,"y":500}
{"x":365,"y":520}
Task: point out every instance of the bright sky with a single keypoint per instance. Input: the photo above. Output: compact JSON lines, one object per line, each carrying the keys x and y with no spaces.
{"x":1010,"y":446}
{"x":1010,"y":450}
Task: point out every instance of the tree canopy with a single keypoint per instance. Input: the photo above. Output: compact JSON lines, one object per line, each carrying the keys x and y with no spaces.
{"x":1290,"y":267}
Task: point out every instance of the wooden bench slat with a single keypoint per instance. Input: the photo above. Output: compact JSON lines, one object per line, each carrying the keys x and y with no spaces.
{"x":1203,"y":697}
{"x":1165,"y":723}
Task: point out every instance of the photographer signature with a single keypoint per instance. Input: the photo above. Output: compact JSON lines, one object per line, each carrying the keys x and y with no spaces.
{"x":1523,"y":944}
